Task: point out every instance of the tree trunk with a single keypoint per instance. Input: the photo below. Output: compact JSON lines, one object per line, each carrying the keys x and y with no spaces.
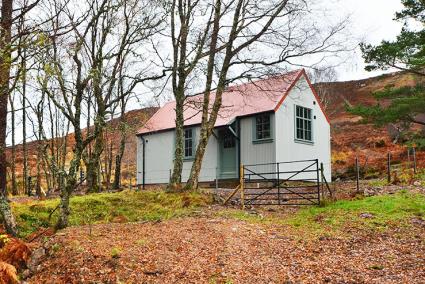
{"x":94,"y":165}
{"x":5,"y":59}
{"x":66,"y":191}
{"x":108,"y":166}
{"x":24,"y":138}
{"x":39,"y":156}
{"x":192,"y":182}
{"x":118,"y":161}
{"x":8,"y":218}
{"x":176,"y":177}
{"x":118,"y":157}
{"x":117,"y":174}
{"x":64,"y":212}
{"x":13,"y":159}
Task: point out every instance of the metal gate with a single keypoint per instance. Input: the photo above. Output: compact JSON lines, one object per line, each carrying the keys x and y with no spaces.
{"x":284,"y":183}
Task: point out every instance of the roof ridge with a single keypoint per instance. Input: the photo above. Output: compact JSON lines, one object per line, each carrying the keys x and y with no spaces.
{"x":165,"y":116}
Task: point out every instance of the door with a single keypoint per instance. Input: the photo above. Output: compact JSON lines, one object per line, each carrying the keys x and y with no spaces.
{"x":228,"y":157}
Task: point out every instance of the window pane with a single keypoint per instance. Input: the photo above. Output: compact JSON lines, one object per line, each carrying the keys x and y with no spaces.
{"x":188,"y":143}
{"x":303,"y":123}
{"x":262,"y":126}
{"x":308,"y":135}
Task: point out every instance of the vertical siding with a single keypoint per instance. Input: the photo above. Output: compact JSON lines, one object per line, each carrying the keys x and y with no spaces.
{"x":287,"y":148}
{"x":209,"y":163}
{"x":252,"y":153}
{"x":160,"y":146}
{"x":159,"y":158}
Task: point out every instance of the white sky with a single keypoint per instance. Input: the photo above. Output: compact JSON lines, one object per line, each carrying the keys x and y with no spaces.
{"x":371,"y":21}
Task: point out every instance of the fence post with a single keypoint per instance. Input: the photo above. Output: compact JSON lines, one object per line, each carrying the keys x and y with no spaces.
{"x":318,"y":181}
{"x":389,"y":167}
{"x":357,"y":175}
{"x":81,"y":176}
{"x":322,"y":174}
{"x":242,"y":181}
{"x":408,"y":158}
{"x":414,"y":160}
{"x":216,"y":178}
{"x":278,"y":183}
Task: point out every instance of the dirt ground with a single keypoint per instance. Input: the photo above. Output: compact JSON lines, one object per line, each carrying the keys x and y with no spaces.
{"x":210,"y":249}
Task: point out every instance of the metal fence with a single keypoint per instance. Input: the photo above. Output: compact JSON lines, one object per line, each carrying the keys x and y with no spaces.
{"x":284,"y":183}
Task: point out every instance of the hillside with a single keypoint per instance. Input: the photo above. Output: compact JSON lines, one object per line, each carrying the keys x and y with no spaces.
{"x":133,"y":118}
{"x":349,"y":136}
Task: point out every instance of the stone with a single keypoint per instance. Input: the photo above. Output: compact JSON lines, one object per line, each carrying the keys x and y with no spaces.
{"x":36,"y":257}
{"x":26,"y":273}
{"x":366,"y":215}
{"x":419,"y":222}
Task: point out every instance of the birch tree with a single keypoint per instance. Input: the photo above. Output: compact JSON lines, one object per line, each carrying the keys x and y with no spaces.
{"x":82,"y":64}
{"x":219,"y":42}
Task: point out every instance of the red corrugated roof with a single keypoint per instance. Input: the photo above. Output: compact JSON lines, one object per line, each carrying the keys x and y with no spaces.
{"x":239,"y":100}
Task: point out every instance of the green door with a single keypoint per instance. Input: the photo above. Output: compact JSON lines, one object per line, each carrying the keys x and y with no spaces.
{"x":228,"y":157}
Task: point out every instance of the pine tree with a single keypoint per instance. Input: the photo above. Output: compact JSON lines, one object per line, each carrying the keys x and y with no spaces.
{"x":406,"y":53}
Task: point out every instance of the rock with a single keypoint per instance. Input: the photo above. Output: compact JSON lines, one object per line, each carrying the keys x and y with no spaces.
{"x":418,"y":221}
{"x":372,"y":191}
{"x":26,"y":273}
{"x":367,"y":216}
{"x":120,"y":219}
{"x":36,"y":257}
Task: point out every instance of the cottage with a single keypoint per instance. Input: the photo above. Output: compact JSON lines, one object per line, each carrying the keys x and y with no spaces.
{"x":265,"y":121}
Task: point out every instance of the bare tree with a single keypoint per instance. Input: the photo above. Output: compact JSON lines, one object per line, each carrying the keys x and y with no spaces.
{"x":5,"y":65}
{"x":13,"y":146}
{"x":219,"y":42}
{"x":185,"y":58}
{"x":81,"y":66}
{"x":322,"y":77}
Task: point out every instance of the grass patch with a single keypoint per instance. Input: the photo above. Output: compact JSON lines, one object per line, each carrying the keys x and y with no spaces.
{"x":384,"y":209}
{"x":107,"y":207}
{"x":381,"y":212}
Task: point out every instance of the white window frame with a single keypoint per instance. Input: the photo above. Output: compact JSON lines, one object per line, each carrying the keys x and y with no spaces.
{"x":306,"y":120}
{"x":255,"y":129}
{"x":192,"y":138}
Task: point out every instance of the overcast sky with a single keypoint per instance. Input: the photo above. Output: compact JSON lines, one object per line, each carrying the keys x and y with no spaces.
{"x":372,"y":21}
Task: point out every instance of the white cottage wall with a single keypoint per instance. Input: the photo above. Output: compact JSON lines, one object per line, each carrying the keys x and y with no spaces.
{"x":287,"y":148}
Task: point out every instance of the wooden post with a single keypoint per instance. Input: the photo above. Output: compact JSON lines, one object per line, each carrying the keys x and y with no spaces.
{"x":408,"y":158}
{"x":278,"y":183}
{"x":216,"y":178}
{"x":322,"y":174}
{"x":242,"y":181}
{"x":389,"y":167}
{"x":414,"y":160}
{"x":357,"y":175}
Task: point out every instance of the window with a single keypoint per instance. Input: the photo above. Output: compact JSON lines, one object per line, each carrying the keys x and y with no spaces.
{"x":229,"y":140}
{"x":303,"y":124}
{"x":262,"y":127}
{"x":188,"y":143}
